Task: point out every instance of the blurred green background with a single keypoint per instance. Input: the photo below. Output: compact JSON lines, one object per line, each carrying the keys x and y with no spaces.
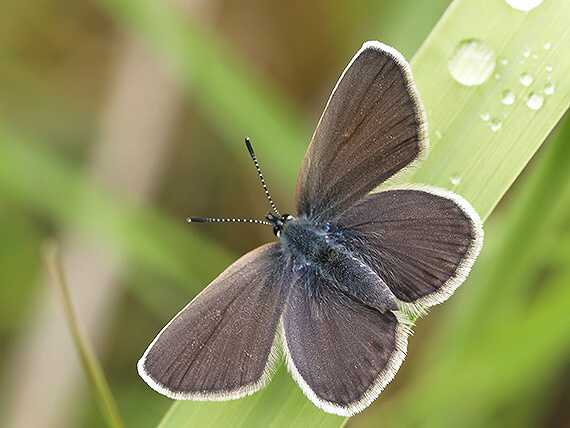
{"x":107,"y":144}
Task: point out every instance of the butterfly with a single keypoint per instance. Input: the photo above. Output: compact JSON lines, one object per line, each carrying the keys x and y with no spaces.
{"x":338,"y":293}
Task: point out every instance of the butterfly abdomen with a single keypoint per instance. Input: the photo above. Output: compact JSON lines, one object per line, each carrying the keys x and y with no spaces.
{"x":315,"y":251}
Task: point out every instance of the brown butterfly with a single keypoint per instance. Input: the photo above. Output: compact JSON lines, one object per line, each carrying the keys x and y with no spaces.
{"x":337,"y":293}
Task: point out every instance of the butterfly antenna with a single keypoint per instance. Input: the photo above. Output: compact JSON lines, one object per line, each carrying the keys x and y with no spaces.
{"x":252,"y":154}
{"x":245,"y":220}
{"x":226,"y":220}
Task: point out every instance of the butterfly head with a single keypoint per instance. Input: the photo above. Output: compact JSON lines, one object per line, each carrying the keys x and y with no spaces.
{"x":278,"y":222}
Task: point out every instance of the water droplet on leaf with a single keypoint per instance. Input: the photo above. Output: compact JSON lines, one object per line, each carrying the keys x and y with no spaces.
{"x":526,"y":52}
{"x":472,"y":62}
{"x":524,"y":5}
{"x":496,"y":124}
{"x":507,"y":97}
{"x":455,"y":179}
{"x":525,"y":79}
{"x":535,"y":101}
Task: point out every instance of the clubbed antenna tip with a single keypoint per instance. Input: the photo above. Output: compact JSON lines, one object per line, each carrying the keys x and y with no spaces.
{"x":249,"y":147}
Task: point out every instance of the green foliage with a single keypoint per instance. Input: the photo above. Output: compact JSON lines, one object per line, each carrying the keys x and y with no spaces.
{"x":496,"y":354}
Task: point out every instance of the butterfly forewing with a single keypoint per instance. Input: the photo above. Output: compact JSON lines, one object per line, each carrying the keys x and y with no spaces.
{"x":220,"y":345}
{"x":340,"y":351}
{"x":421,"y":242}
{"x":373,"y":126}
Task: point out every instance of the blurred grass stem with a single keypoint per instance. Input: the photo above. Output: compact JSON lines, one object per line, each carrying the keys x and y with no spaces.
{"x":54,"y":268}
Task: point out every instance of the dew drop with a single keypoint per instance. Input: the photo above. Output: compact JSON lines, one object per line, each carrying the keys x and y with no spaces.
{"x":525,"y":79}
{"x":547,"y":46}
{"x":549,"y":88}
{"x":497,"y":76}
{"x":526,"y":52}
{"x":496,"y":124}
{"x":472,"y":62}
{"x":455,"y":179}
{"x":549,"y":68}
{"x":437,"y":134}
{"x":504,"y":61}
{"x":507,"y":97}
{"x":535,"y":101}
{"x":485,"y":117}
{"x":524,"y":5}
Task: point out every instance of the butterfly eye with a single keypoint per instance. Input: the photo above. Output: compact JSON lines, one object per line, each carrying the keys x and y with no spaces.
{"x":278,"y":222}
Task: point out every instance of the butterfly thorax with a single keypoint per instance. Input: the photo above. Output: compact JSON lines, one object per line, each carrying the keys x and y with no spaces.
{"x":315,"y":252}
{"x":308,"y":244}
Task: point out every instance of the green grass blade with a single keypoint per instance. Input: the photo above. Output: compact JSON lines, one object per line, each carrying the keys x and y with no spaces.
{"x":281,"y":403}
{"x":463,"y":145}
{"x":87,"y":356}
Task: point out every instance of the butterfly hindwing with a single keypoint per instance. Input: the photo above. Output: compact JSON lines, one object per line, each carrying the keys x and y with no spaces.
{"x":340,"y":351}
{"x":220,"y":345}
{"x":421,"y":242}
{"x":373,"y":126}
